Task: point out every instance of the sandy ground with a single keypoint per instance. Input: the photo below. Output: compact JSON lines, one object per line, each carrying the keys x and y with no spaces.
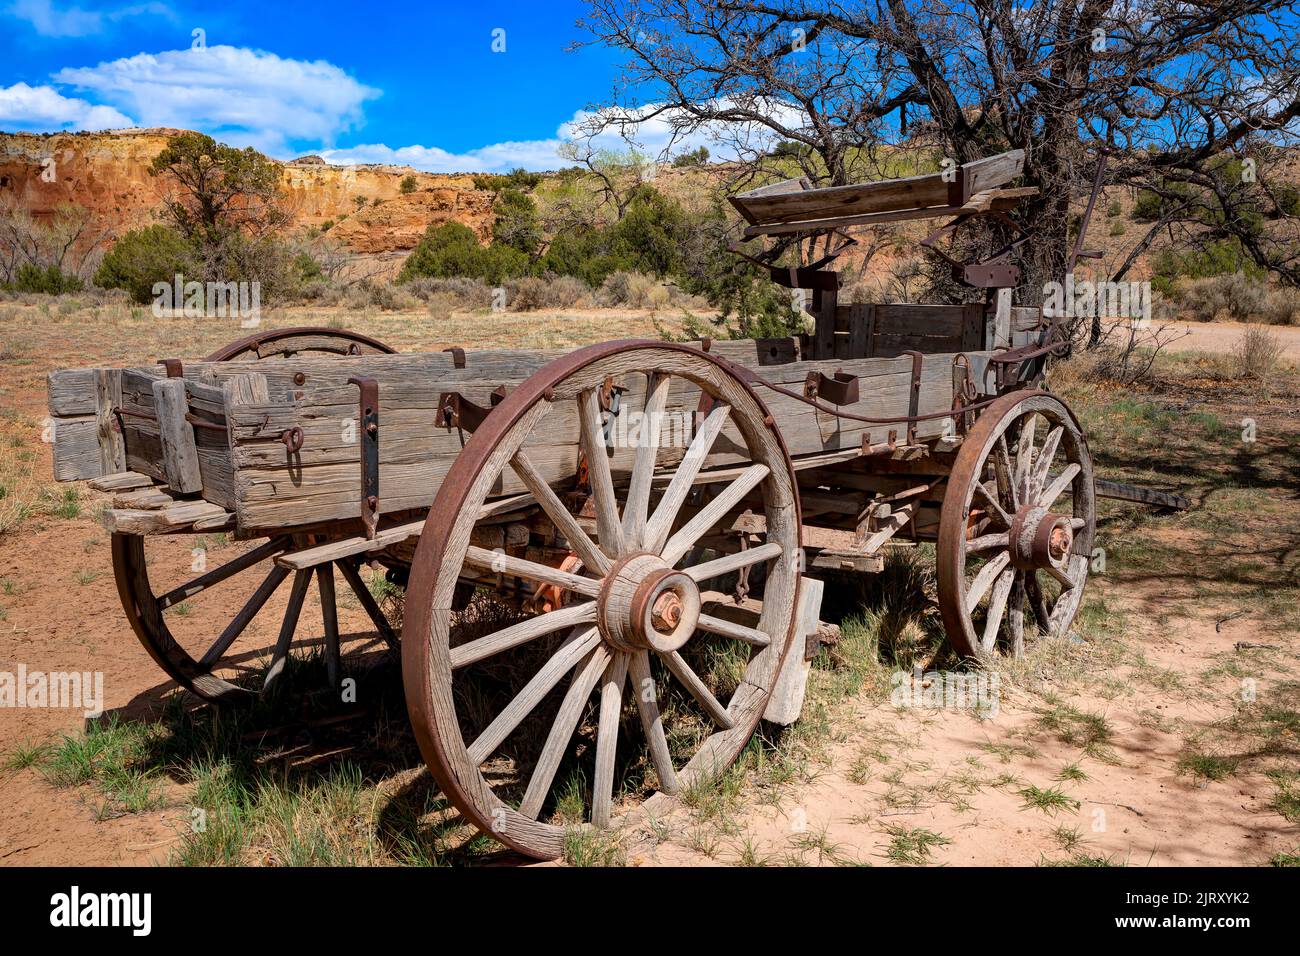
{"x":63,"y":613}
{"x":1222,"y":337}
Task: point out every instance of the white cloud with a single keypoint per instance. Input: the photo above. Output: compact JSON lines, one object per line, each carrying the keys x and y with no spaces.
{"x":654,"y":137}
{"x":241,"y":96}
{"x":50,"y":21}
{"x":42,"y":108}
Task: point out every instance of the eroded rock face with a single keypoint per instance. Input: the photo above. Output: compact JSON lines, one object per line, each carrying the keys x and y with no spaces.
{"x":108,"y":173}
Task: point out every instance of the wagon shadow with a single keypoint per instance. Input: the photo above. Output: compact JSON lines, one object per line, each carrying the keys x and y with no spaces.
{"x":302,"y":750}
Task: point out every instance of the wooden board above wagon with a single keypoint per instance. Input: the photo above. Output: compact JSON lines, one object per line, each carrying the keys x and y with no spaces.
{"x":792,"y":206}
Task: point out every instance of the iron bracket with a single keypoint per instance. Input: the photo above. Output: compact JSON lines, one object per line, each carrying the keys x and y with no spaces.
{"x":838,"y":389}
{"x":457,"y":411}
{"x":914,"y":400}
{"x":369,"y":440}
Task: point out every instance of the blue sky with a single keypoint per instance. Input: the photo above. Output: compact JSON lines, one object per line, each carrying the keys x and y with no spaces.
{"x":355,"y":82}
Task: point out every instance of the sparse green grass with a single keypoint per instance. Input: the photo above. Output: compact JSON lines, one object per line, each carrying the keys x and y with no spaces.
{"x":1206,"y":766}
{"x":1051,"y":801}
{"x":1285,"y":859}
{"x":912,"y":846}
{"x":1083,"y":860}
{"x":26,"y":754}
{"x":1068,"y":839}
{"x":588,"y":847}
{"x":1071,"y":773}
{"x":1090,"y":732}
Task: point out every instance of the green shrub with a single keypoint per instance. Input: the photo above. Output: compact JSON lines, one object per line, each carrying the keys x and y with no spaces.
{"x":408,"y":185}
{"x":143,"y":257}
{"x":696,"y":157}
{"x":516,"y":223}
{"x":1288,"y":200}
{"x":453,"y":250}
{"x":50,"y":280}
{"x":1216,"y":258}
{"x":515,"y":179}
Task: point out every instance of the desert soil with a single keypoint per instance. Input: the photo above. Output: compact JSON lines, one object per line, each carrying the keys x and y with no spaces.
{"x":886,"y":775}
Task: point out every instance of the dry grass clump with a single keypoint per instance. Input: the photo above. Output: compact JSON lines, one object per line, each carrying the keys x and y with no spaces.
{"x":1256,"y":353}
{"x":546,"y":292}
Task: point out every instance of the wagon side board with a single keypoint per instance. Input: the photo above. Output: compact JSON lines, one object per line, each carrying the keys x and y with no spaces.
{"x":275,"y":488}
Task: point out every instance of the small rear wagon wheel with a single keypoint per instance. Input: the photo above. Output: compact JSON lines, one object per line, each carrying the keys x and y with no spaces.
{"x":1016,"y":527}
{"x":206,"y":663}
{"x":632,"y":617}
{"x":284,"y":343}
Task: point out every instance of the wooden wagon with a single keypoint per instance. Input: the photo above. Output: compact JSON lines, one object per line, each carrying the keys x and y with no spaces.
{"x":640,"y":509}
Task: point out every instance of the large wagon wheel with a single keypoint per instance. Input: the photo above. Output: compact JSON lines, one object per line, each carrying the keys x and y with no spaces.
{"x":203,"y":662}
{"x":283,"y":343}
{"x":634,"y":607}
{"x":1016,"y":528}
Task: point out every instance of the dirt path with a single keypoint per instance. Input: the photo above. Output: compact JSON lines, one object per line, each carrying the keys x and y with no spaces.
{"x":1222,"y":337}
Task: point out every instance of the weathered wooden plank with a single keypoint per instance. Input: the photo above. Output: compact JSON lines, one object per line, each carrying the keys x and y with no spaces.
{"x":786,"y":701}
{"x":920,"y":320}
{"x":993,"y":171}
{"x":108,"y":396}
{"x":71,"y":392}
{"x":75,"y":447}
{"x":125,"y":481}
{"x":179,"y":453}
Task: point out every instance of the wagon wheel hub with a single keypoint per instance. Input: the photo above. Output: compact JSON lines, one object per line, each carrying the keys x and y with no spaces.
{"x":1040,"y":538}
{"x":645,"y":604}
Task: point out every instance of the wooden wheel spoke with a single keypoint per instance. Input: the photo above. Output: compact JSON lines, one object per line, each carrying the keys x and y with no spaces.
{"x":997,"y":608}
{"x":592,"y":556}
{"x":1059,"y":484}
{"x":609,"y":528}
{"x":1025,"y":456}
{"x":643,"y":465}
{"x":1037,"y":602}
{"x":561,"y":732}
{"x":330,"y":618}
{"x":243,"y":617}
{"x":498,"y":562}
{"x":995,"y":507}
{"x":1017,"y":615}
{"x":1044,"y":465}
{"x":1002,"y":469}
{"x":301,"y":580}
{"x":984,"y":579}
{"x":661,"y":523}
{"x":368,"y":602}
{"x":988,"y":542}
{"x":712,"y":513}
{"x":204,"y":581}
{"x":611,"y":705}
{"x":1067,"y":582}
{"x":579,"y":644}
{"x":522,"y":633}
{"x":734,"y":562}
{"x":647,"y":702}
{"x":691,"y":681}
{"x":739,"y":632}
